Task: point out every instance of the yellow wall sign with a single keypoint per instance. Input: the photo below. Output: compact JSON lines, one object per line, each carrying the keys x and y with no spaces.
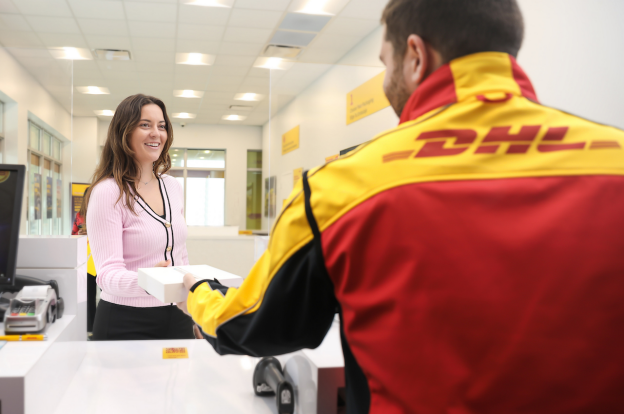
{"x":290,"y":140}
{"x":175,"y":353}
{"x":297,"y":173}
{"x":366,"y":99}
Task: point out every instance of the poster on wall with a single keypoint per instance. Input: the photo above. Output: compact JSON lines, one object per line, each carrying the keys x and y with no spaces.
{"x":49,"y":206}
{"x":37,"y":195}
{"x":366,"y":99}
{"x":77,"y":192}
{"x":290,"y":140}
{"x":59,"y":199}
{"x":270,"y":196}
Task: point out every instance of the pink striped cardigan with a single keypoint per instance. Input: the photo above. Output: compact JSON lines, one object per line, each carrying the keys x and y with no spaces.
{"x":122,"y":242}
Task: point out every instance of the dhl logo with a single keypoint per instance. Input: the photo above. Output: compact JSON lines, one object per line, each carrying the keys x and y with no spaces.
{"x":461,"y":140}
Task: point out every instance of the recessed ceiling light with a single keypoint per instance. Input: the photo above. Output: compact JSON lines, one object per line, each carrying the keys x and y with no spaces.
{"x":184,"y":115}
{"x":207,"y":151}
{"x":105,"y":112}
{"x":251,"y":97}
{"x":194,"y":59}
{"x":233,"y":117}
{"x":70,"y":53}
{"x":112,"y":54}
{"x":92,"y":90}
{"x":272,"y":63}
{"x":210,"y":3}
{"x":187,"y":93}
{"x":314,"y":7}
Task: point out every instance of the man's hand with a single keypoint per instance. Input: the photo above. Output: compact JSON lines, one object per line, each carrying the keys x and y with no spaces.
{"x":189,"y":280}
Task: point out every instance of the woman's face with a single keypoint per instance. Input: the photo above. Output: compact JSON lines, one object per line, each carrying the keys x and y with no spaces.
{"x":149,"y":137}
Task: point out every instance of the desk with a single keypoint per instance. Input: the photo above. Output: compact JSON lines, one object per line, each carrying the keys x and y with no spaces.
{"x":132,"y":377}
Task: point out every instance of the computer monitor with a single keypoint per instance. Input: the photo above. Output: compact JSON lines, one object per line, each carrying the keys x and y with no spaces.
{"x":11,"y":193}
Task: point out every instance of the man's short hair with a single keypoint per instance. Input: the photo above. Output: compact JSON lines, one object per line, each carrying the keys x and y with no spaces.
{"x":455,"y":28}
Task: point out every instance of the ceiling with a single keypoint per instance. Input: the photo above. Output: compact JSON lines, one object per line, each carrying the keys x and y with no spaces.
{"x":155,"y":30}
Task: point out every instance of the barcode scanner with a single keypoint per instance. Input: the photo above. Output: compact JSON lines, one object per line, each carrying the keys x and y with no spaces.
{"x":268,"y":379}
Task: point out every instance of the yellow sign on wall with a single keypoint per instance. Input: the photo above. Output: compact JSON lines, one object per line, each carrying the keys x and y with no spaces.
{"x":290,"y":140}
{"x":297,"y":173}
{"x":366,"y":99}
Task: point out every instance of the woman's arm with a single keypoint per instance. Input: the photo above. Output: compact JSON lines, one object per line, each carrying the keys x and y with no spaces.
{"x":105,"y":226}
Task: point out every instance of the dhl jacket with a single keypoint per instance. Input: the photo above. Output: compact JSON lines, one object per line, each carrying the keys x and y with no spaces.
{"x":475,"y":254}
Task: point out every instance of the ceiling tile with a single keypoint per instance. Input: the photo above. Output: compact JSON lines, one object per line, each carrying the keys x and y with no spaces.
{"x":240,"y":49}
{"x":88,"y":76}
{"x":53,"y":24}
{"x":197,"y":46}
{"x":230,"y":70}
{"x":62,"y":40}
{"x":261,"y":73}
{"x":210,"y":107}
{"x":226,"y":80}
{"x":145,"y":29}
{"x":108,"y":66}
{"x":218,"y":98}
{"x":104,"y":27}
{"x":29,"y":52}
{"x":109,"y":42}
{"x":217,"y":87}
{"x":148,"y":12}
{"x":261,"y":89}
{"x":56,"y":8}
{"x":151,"y":44}
{"x":120,"y":75}
{"x":292,"y":38}
{"x":203,"y":15}
{"x":240,"y":34}
{"x":6,"y":6}
{"x":334,"y":42}
{"x":84,"y":65}
{"x":14,"y":22}
{"x":154,"y":67}
{"x":351,"y":27}
{"x":156,"y":77}
{"x":304,"y":22}
{"x":364,"y":9}
{"x":97,"y":9}
{"x":199,"y":32}
{"x":183,"y":82}
{"x":321,"y":56}
{"x":254,"y":81}
{"x":155,"y":57}
{"x":193,"y":71}
{"x":279,"y":5}
{"x":257,"y":19}
{"x":229,"y":60}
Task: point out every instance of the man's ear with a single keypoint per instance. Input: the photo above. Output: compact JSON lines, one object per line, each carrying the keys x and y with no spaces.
{"x":416,"y":63}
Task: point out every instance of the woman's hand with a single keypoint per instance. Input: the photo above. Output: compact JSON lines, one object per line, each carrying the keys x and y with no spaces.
{"x":164,"y":263}
{"x":189,"y":281}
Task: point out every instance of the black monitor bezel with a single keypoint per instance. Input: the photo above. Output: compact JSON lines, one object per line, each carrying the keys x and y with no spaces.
{"x":15,"y":229}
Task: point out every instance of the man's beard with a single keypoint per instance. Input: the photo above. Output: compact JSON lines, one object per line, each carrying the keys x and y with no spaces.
{"x":397,"y":92}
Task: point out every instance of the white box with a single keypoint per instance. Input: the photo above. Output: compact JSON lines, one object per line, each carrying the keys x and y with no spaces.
{"x":51,"y":252}
{"x":166,"y":283}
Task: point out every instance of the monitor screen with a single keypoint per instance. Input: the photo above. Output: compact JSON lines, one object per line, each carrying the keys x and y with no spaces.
{"x":11,"y":192}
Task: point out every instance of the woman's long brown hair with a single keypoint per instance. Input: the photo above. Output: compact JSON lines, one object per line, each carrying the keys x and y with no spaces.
{"x":117,"y":160}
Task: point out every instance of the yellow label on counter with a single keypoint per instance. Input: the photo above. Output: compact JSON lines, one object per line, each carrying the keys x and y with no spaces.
{"x":297,"y":173}
{"x":175,"y":353}
{"x":331,"y":158}
{"x":366,"y":99}
{"x":290,"y":140}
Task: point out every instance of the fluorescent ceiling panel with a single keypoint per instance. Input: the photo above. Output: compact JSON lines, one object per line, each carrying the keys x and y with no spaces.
{"x":184,"y":115}
{"x":194,"y":59}
{"x":105,"y":112}
{"x":70,"y":53}
{"x":187,"y":93}
{"x":304,"y":22}
{"x":272,"y":63}
{"x":209,"y":3}
{"x":93,"y":90}
{"x":251,"y":97}
{"x":233,"y":117}
{"x":292,"y":38}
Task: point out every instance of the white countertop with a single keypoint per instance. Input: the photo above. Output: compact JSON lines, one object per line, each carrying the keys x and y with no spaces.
{"x":17,"y":358}
{"x":132,"y":377}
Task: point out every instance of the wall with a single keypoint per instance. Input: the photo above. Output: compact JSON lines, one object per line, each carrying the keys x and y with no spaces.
{"x":570,"y":52}
{"x":85,"y":149}
{"x":26,"y":99}
{"x":236,"y":140}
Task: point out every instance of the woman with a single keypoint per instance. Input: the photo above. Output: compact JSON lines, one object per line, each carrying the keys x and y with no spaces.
{"x":135,"y":219}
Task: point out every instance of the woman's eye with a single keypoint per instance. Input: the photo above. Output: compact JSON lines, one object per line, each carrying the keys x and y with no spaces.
{"x":162,"y":127}
{"x":144,"y":125}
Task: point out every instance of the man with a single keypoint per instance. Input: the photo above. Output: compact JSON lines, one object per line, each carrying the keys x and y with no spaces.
{"x":474,"y":252}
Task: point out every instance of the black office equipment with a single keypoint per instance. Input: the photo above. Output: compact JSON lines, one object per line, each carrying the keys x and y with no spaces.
{"x":268,"y":379}
{"x":11,"y":194}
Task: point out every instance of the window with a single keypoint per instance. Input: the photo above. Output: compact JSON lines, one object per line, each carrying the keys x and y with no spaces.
{"x":201,"y":173}
{"x":45,"y":183}
{"x":254,"y":190}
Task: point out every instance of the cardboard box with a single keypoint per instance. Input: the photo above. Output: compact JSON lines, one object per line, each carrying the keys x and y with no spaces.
{"x":166,"y":285}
